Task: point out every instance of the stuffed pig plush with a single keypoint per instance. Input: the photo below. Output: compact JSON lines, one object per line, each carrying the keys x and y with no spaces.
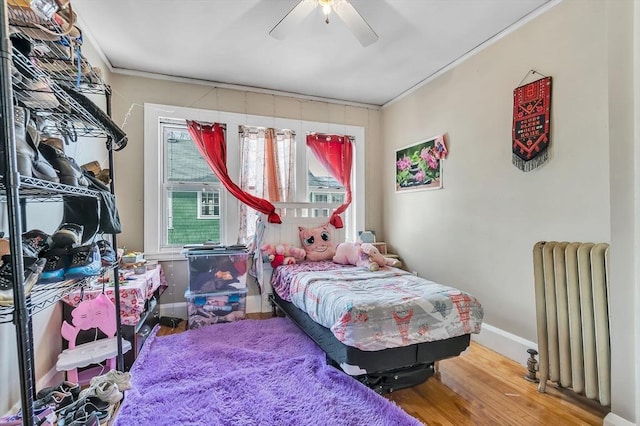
{"x":362,"y":254}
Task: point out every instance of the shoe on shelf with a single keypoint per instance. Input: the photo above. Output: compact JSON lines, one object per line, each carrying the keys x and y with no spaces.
{"x":52,"y":149}
{"x":32,"y":269}
{"x":30,"y":162}
{"x":68,"y":235}
{"x":120,"y":378}
{"x":84,"y":262}
{"x":107,"y":253}
{"x":57,"y":262}
{"x":35,"y":242}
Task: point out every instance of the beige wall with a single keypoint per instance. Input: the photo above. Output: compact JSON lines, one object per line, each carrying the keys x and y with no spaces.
{"x":478,"y":232}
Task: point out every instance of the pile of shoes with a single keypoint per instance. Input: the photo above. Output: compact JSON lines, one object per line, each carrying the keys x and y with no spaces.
{"x":43,"y":156}
{"x":53,"y":258}
{"x":68,"y":259}
{"x":97,"y":400}
{"x":66,"y":404}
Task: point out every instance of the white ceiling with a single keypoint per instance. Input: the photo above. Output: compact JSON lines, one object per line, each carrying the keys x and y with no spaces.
{"x":227,"y":41}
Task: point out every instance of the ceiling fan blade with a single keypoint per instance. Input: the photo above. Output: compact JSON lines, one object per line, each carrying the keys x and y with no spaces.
{"x":292,"y":19}
{"x":355,"y":22}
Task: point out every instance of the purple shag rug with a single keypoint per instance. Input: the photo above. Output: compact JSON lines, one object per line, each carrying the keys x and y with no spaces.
{"x":249,"y":372}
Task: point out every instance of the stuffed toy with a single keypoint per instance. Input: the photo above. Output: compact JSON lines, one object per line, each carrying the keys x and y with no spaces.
{"x":283,"y":254}
{"x":318,"y":242}
{"x":362,"y":254}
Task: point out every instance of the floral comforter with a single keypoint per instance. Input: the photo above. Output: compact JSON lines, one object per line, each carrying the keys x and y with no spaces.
{"x":377,"y":310}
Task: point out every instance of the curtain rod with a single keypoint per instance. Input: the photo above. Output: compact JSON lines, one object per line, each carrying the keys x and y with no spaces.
{"x":256,"y":129}
{"x":351,"y":138}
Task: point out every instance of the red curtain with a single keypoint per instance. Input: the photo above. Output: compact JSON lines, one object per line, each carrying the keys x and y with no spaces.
{"x":209,"y":139}
{"x":335,"y":152}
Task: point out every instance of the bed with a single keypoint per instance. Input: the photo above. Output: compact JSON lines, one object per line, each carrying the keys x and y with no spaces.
{"x":386,"y":328}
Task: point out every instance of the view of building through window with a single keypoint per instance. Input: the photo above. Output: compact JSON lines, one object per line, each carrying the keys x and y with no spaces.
{"x":192,"y":191}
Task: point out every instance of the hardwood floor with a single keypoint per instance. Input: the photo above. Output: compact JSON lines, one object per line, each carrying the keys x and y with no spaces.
{"x":481,"y":387}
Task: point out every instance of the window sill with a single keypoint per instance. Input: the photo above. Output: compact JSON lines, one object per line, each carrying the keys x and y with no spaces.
{"x":165,"y":257}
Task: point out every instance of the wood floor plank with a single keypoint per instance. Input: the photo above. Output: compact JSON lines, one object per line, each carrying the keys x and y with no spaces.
{"x":481,"y":387}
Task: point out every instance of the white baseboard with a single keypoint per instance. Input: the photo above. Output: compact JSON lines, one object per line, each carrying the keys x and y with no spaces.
{"x":254,"y":304}
{"x":178,"y":310}
{"x":615,"y":420}
{"x":507,"y":344}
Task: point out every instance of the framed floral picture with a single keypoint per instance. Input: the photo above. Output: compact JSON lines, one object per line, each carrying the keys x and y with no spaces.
{"x":419,"y":166}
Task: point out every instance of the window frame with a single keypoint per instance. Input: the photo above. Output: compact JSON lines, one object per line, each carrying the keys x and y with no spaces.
{"x":214,"y":203}
{"x":154,"y":163}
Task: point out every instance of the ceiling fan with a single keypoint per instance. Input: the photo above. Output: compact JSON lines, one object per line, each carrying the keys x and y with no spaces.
{"x":343,"y":8}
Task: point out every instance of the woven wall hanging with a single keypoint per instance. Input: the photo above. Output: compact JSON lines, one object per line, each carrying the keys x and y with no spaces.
{"x":531,"y":124}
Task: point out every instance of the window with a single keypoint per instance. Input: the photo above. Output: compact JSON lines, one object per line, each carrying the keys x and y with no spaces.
{"x":267,"y":170}
{"x":185,"y":203}
{"x":209,"y":205}
{"x":191,"y":191}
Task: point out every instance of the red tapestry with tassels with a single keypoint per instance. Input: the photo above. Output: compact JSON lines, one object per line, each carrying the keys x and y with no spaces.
{"x":531,"y":124}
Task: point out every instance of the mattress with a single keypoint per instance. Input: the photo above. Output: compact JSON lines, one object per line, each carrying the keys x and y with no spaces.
{"x":377,"y":310}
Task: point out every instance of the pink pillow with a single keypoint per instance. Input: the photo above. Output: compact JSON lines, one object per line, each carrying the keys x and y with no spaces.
{"x":318,"y":242}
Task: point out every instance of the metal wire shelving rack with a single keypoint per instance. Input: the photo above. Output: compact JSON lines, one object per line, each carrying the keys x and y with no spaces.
{"x":41,"y":80}
{"x":42,"y":296}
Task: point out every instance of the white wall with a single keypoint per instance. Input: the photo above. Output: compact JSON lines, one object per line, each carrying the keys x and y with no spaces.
{"x":478,"y":232}
{"x":624,"y":205}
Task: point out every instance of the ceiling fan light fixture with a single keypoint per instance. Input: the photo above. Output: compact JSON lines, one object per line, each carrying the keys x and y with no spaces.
{"x":342,"y":8}
{"x":326,"y":8}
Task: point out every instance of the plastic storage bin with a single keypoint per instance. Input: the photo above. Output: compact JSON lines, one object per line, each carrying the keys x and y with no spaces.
{"x":217,"y":270}
{"x":211,"y":308}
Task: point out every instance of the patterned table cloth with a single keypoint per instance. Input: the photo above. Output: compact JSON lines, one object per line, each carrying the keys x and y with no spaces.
{"x":133,"y":294}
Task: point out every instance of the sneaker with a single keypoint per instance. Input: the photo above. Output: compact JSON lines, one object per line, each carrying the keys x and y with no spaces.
{"x":32,"y":270}
{"x":120,"y":378}
{"x":84,"y":262}
{"x":84,"y":419}
{"x":55,"y":399}
{"x":55,"y":266}
{"x":105,"y":391}
{"x":107,"y":254}
{"x":68,"y":235}
{"x":64,"y":386}
{"x":82,"y":409}
{"x":35,"y":242}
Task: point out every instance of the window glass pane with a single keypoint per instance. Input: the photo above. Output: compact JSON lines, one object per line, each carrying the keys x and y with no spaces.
{"x":188,"y":228}
{"x":320,"y":181}
{"x":184,"y":162}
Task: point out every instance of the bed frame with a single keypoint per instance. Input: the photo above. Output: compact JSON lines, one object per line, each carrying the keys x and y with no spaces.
{"x":384,"y":370}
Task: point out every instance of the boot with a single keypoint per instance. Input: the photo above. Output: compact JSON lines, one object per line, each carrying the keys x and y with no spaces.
{"x":68,"y":170}
{"x":30,"y":163}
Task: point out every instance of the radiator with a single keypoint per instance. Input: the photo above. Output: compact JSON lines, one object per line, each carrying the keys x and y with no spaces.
{"x":572,"y":317}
